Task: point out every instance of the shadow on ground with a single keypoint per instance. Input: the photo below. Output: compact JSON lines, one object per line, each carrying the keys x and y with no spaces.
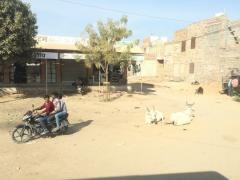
{"x":116,"y":96}
{"x":30,"y":91}
{"x":39,"y":91}
{"x":209,"y":175}
{"x":132,"y":88}
{"x":20,"y":97}
{"x":74,"y":128}
{"x":144,"y":88}
{"x":8,"y":125}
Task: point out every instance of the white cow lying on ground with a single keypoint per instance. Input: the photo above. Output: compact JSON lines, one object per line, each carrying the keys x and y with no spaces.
{"x":184,"y":117}
{"x":153,"y":116}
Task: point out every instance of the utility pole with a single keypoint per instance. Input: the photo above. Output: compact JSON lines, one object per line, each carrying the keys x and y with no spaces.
{"x":140,"y":65}
{"x":46,"y":81}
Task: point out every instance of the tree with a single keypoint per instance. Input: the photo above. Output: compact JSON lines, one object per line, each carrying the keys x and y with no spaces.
{"x":102,"y":49}
{"x":17,"y":30}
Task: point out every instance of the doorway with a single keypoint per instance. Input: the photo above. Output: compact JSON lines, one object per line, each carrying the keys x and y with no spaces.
{"x":20,"y":73}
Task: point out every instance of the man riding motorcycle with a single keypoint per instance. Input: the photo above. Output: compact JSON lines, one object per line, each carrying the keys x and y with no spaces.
{"x":46,"y":108}
{"x":34,"y":123}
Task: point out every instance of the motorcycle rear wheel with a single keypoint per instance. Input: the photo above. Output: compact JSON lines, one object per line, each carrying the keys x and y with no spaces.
{"x":21,"y":134}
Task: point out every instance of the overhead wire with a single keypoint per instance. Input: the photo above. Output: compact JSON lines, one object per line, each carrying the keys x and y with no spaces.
{"x":123,"y":11}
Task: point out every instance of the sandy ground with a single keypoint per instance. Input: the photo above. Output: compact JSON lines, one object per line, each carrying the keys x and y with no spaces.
{"x":110,"y":139}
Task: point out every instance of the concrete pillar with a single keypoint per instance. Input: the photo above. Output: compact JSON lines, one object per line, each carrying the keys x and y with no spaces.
{"x":58,"y":71}
{"x":43,"y":71}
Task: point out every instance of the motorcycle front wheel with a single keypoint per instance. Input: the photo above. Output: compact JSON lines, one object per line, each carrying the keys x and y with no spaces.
{"x":21,"y":134}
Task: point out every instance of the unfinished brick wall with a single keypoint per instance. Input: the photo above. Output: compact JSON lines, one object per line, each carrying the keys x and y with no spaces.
{"x":214,"y":55}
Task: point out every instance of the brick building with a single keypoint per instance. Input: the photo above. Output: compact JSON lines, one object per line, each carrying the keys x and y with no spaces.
{"x":153,"y":64}
{"x":205,"y":51}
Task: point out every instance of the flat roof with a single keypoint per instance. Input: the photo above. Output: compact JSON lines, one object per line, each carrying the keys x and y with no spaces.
{"x":69,"y":43}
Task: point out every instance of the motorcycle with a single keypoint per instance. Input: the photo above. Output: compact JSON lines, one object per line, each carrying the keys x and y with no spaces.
{"x":81,"y":90}
{"x":31,"y":128}
{"x":80,"y":86}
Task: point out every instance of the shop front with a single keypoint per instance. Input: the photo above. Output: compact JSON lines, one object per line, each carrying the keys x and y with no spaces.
{"x":48,"y":67}
{"x":59,"y":62}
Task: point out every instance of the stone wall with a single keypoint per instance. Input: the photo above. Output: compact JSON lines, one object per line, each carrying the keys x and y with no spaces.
{"x":214,"y":56}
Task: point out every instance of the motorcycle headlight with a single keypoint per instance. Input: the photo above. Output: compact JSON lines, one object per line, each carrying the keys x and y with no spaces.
{"x":25,"y":117}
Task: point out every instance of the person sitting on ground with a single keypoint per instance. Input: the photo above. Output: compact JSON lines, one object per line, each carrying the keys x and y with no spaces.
{"x":46,"y":108}
{"x":62,"y":113}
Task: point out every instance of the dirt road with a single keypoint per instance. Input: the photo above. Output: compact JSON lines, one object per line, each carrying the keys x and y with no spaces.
{"x":110,"y":139}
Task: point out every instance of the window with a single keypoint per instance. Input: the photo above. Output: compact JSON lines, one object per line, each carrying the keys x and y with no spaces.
{"x":33,"y":72}
{"x":183,"y":46}
{"x":51,"y":72}
{"x":191,"y":68}
{"x":193,"y":42}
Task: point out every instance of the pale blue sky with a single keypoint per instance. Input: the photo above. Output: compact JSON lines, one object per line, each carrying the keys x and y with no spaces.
{"x":69,"y":17}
